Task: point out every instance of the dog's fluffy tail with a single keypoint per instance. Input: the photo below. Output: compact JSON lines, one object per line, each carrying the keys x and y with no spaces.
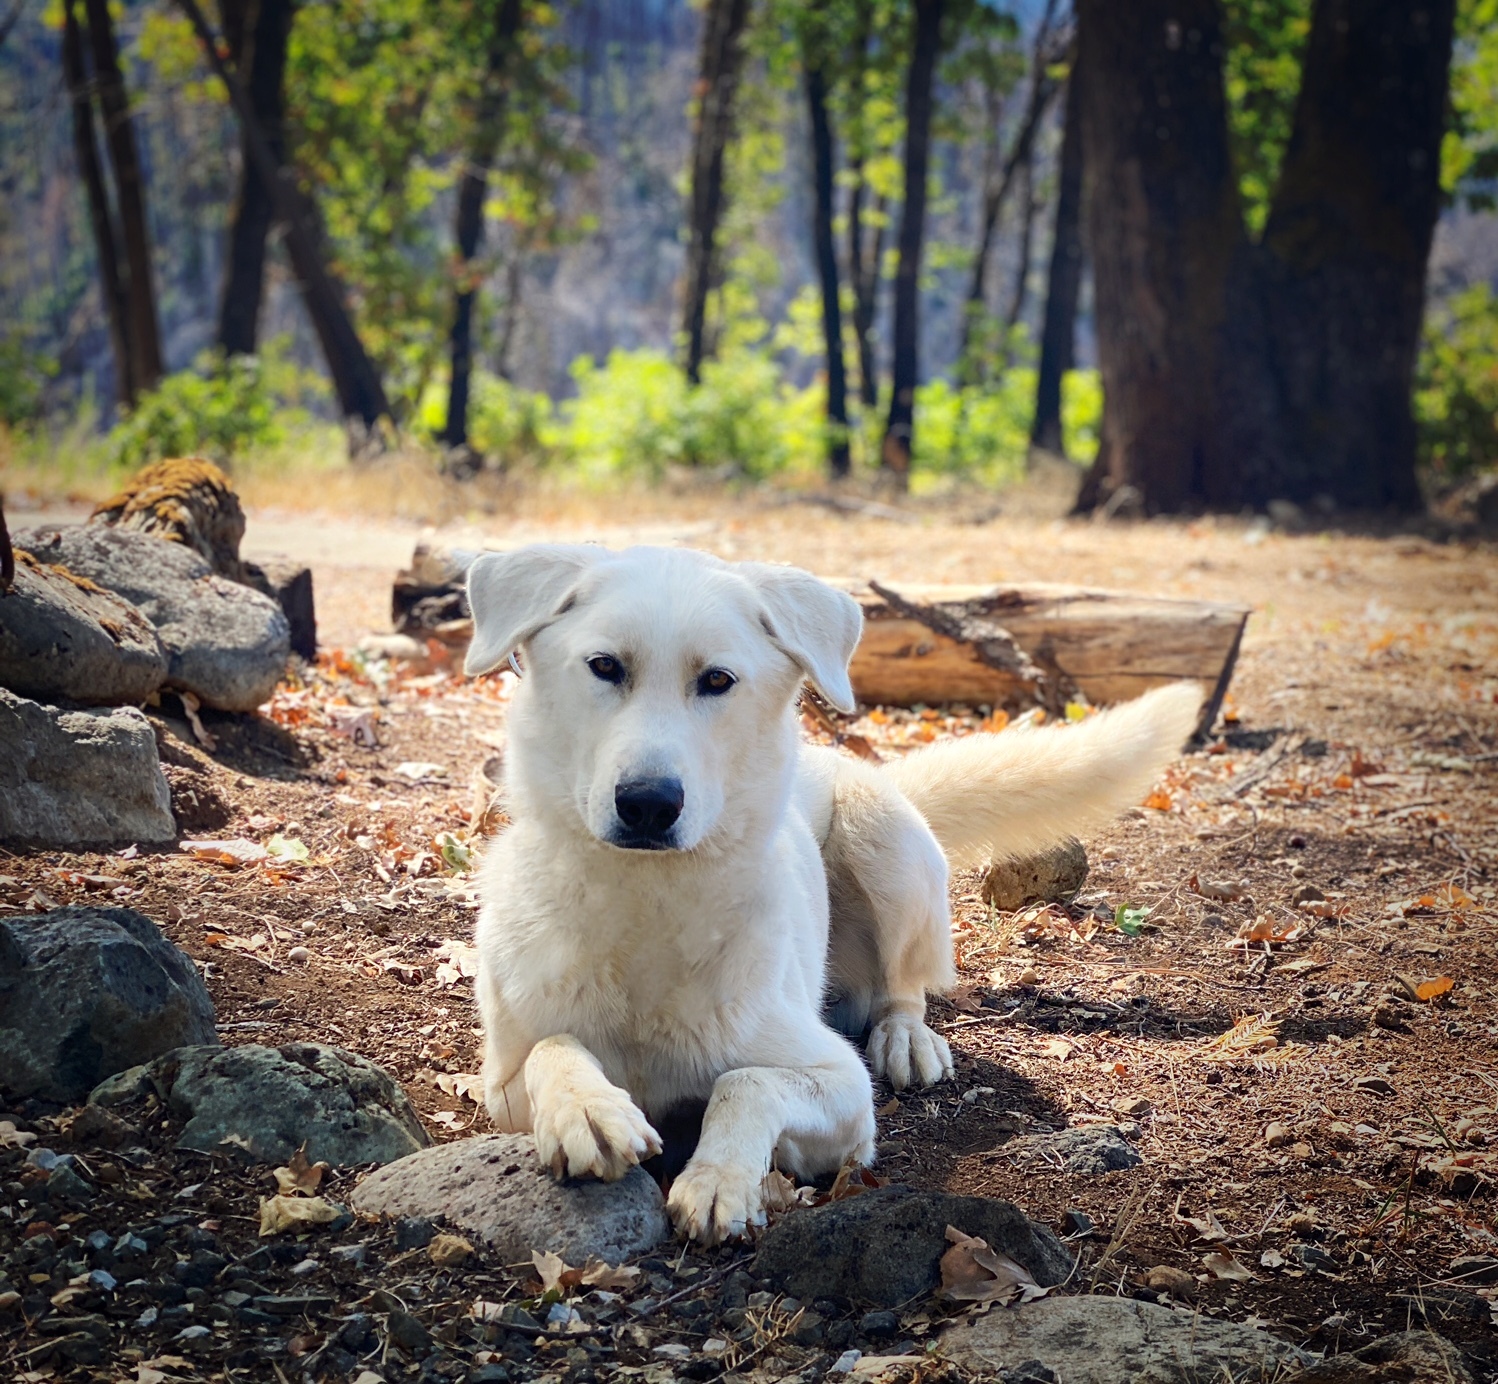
{"x":1026,"y":790}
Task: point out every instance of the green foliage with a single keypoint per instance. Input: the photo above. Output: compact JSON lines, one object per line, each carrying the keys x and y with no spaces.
{"x":1456,"y":387}
{"x":1469,"y":155}
{"x":1264,"y":40}
{"x":24,"y":372}
{"x":508,"y":425}
{"x":218,"y":409}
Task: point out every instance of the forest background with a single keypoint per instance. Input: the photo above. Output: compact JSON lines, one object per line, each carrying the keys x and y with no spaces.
{"x":912,"y":240}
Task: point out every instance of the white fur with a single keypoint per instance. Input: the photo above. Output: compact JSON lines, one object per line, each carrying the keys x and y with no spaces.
{"x":615,"y":984}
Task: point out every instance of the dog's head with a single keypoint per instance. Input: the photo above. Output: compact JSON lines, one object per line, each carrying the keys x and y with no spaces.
{"x":657,"y":684}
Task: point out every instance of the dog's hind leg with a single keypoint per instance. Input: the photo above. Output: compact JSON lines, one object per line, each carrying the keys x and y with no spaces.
{"x":891,"y":926}
{"x":813,"y":1109}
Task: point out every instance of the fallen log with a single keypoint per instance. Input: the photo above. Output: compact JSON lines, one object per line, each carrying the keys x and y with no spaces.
{"x":1008,"y":645}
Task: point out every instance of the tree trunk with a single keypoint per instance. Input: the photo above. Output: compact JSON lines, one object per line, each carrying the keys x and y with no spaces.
{"x":473,"y":188}
{"x":899,"y":431}
{"x":1343,"y":260}
{"x":356,"y":381}
{"x":838,"y":460}
{"x":258,"y":32}
{"x":1058,"y":332}
{"x":142,"y":333}
{"x":1028,"y":209}
{"x":1165,"y":232}
{"x":717,"y":84}
{"x":101,"y":219}
{"x":863,"y":268}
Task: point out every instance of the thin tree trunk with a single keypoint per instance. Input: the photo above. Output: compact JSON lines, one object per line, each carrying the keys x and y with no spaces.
{"x":823,"y":159}
{"x":1165,"y":233}
{"x":996,"y":191}
{"x":1028,"y":204}
{"x":101,"y":218}
{"x":717,"y":84}
{"x":356,"y":381}
{"x":863,"y":270}
{"x":473,"y":188}
{"x":1058,"y":331}
{"x":506,"y":340}
{"x":1344,"y":254}
{"x":258,"y":32}
{"x":899,"y":431}
{"x":143,"y":334}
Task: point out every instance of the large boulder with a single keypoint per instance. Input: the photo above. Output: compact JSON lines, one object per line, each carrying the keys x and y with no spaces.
{"x":225,"y":643}
{"x":884,"y":1247}
{"x":1103,"y":1340}
{"x":261,"y":1104}
{"x":494,"y":1187}
{"x":88,"y":992}
{"x":62,"y":637}
{"x":1406,"y":1357}
{"x":76,"y":778}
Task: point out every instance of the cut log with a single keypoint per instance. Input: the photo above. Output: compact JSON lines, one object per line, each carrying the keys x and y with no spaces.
{"x":1006,"y":645}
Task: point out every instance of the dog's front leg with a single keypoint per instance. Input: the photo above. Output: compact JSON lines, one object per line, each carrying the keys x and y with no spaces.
{"x":584,"y":1125}
{"x":817,"y":1117}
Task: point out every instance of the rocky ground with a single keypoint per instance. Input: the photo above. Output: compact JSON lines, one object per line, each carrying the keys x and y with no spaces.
{"x":1249,"y":1072}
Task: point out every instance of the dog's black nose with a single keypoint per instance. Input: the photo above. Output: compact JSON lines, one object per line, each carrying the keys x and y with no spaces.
{"x":649,"y":807}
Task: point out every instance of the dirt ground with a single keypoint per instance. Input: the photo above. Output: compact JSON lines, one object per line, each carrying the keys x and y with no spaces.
{"x":1303,"y":1025}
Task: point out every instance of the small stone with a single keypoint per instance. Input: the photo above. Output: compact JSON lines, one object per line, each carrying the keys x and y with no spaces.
{"x":1028,"y":976}
{"x":447,"y":1251}
{"x":673,"y":1350}
{"x":1297,"y":842}
{"x":879,"y":1326}
{"x":1276,"y":1135}
{"x":1307,"y":893}
{"x":1314,"y":1257}
{"x":1055,"y":876}
{"x":845,"y":1362}
{"x":102,"y":1281}
{"x":408,"y":1333}
{"x":1090,"y":1150}
{"x":1133,"y":1107}
{"x":1475,"y":1268}
{"x":352,"y":1255}
{"x":1075,"y":1222}
{"x":518,"y":1319}
{"x":414,"y":1232}
{"x":1379,"y":1086}
{"x":306,"y":1268}
{"x":299,"y":955}
{"x":1177,"y":1282}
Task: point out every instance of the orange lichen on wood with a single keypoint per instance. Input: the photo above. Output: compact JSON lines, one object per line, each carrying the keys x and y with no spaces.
{"x":185,"y":500}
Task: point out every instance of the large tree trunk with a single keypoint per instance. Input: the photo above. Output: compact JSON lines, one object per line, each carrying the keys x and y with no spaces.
{"x":258,"y":32}
{"x":1058,"y":330}
{"x":899,"y":431}
{"x":1343,"y":259}
{"x":356,"y":381}
{"x":101,"y":218}
{"x":717,"y":84}
{"x":838,"y":460}
{"x":1029,"y":207}
{"x":1165,"y":232}
{"x":473,"y":188}
{"x":143,"y":334}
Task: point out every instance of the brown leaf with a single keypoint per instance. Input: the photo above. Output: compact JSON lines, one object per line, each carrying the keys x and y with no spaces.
{"x":235,"y":852}
{"x":972,"y":1272}
{"x":550,"y":1269}
{"x":299,"y":1175}
{"x":1433,"y":988}
{"x":1221,"y":1264}
{"x":281,"y":1212}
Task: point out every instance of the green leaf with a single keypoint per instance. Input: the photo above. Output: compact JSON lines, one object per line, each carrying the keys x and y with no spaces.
{"x":1129,"y":920}
{"x":288,"y":848}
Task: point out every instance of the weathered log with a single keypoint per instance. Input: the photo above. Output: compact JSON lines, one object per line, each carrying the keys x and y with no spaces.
{"x":1002,"y":645}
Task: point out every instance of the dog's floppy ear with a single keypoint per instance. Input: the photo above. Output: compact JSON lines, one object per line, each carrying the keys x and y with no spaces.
{"x":815,"y":625}
{"x":512,"y":595}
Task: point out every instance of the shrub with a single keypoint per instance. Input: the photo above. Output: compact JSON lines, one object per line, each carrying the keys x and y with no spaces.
{"x":507,"y":424}
{"x":24,"y":372}
{"x":1456,"y":386}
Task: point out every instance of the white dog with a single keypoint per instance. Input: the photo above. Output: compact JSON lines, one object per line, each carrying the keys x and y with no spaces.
{"x":687,"y":889}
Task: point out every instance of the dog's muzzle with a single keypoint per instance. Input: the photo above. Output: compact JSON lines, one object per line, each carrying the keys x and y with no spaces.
{"x":647,"y":810}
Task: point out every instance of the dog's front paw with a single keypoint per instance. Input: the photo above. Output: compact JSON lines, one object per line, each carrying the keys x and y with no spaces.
{"x":908,"y":1053}
{"x":712,"y":1202}
{"x":602,"y":1134}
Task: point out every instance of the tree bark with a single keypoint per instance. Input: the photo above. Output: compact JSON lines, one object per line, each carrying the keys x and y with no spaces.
{"x":1165,"y":232}
{"x":258,"y":32}
{"x":899,"y":432}
{"x":863,"y":266}
{"x":1058,"y":331}
{"x":1343,"y":260}
{"x":101,"y":217}
{"x":839,"y":462}
{"x":142,"y":333}
{"x":1028,"y":209}
{"x":473,"y":188}
{"x":717,"y":85}
{"x":356,"y":381}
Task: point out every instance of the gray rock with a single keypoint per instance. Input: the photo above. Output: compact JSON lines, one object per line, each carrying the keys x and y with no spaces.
{"x":67,"y":639}
{"x":1102,"y":1340}
{"x":493,"y":1187}
{"x":1407,"y":1357}
{"x":1055,"y":877}
{"x":262,"y":1103}
{"x":224,"y":642}
{"x":88,"y":992}
{"x":1091,"y":1150}
{"x":289,"y":585}
{"x":885,"y":1247}
{"x":76,"y":778}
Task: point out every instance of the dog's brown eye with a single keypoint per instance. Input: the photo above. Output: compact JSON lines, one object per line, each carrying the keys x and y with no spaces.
{"x":606,"y":667}
{"x":715,"y":682}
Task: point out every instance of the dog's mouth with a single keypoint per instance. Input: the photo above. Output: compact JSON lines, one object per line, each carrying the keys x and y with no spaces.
{"x":643,"y":841}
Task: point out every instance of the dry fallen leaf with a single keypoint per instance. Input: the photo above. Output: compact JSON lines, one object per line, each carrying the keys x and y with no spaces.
{"x":1058,"y":1049}
{"x":282,"y":1212}
{"x":555,"y":1273}
{"x":972,"y":1272}
{"x":235,"y":852}
{"x":445,"y":1251}
{"x":190,"y":706}
{"x":299,"y":1175}
{"x":462,"y":1085}
{"x":1221,"y":1264}
{"x":13,"y":1138}
{"x":1224,"y":890}
{"x":781,"y":1194}
{"x":1264,"y":931}
{"x":1433,"y":988}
